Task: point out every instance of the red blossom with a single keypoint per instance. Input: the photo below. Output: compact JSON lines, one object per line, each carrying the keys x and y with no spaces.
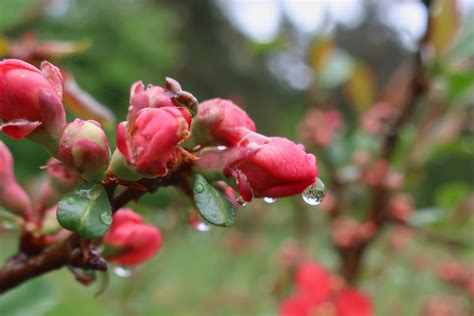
{"x":317,"y":293}
{"x":62,"y":179}
{"x":374,"y":120}
{"x":12,"y":196}
{"x":84,"y":147}
{"x":320,"y":126}
{"x":313,"y":281}
{"x":351,"y":302}
{"x":133,"y":241}
{"x":279,"y":168}
{"x":348,"y":232}
{"x":221,"y":122}
{"x":150,"y":141}
{"x":149,"y":97}
{"x":401,"y":207}
{"x":30,"y":100}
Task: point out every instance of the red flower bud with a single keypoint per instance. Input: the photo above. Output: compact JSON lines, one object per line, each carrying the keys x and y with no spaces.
{"x":30,"y":101}
{"x":279,"y":168}
{"x":84,"y":147}
{"x":151,"y":97}
{"x":220,"y":122}
{"x":62,"y":179}
{"x":150,"y":141}
{"x":297,"y":305}
{"x":351,"y":302}
{"x":12,"y":195}
{"x":136,"y":241}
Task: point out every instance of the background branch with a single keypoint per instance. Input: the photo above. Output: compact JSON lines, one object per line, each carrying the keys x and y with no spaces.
{"x":352,"y":257}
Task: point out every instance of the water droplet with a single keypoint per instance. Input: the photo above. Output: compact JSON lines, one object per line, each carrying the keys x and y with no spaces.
{"x":202,"y":227}
{"x":199,"y":188}
{"x":269,"y":200}
{"x":122,"y":272}
{"x":314,"y":194}
{"x":70,"y":200}
{"x":221,"y":148}
{"x":241,"y":201}
{"x":106,"y":218}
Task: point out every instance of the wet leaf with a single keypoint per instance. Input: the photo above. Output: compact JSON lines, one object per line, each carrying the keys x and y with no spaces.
{"x":86,"y":211}
{"x":213,"y":206}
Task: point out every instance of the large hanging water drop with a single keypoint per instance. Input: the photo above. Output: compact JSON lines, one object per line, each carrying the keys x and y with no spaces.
{"x":122,"y":272}
{"x":269,"y":200}
{"x":314,"y":194}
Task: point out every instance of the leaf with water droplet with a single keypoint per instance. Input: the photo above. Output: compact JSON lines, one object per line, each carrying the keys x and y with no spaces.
{"x":86,"y":211}
{"x":213,"y":206}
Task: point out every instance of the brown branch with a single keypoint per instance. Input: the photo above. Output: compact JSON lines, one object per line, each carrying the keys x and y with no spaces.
{"x":352,"y":257}
{"x":75,"y":251}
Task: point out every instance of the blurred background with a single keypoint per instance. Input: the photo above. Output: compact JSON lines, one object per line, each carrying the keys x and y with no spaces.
{"x":325,"y":73}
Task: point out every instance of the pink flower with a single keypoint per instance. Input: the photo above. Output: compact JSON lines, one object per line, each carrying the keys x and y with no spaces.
{"x":12,"y":195}
{"x":313,"y":281}
{"x":30,"y":101}
{"x":320,"y":126}
{"x":150,"y":141}
{"x":374,"y":120}
{"x":61,"y":178}
{"x":221,"y":122}
{"x":279,"y":168}
{"x":133,"y":241}
{"x":352,"y":303}
{"x":156,"y":97}
{"x":320,"y":293}
{"x":84,"y":147}
{"x":151,"y":97}
{"x":296,"y":305}
{"x":401,"y":207}
{"x":348,"y":232}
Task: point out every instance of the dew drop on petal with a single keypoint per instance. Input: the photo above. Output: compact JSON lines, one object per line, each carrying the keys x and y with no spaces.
{"x":314,"y":194}
{"x":269,"y":200}
{"x":122,"y":272}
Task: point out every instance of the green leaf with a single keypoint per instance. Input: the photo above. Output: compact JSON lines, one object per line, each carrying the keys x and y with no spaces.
{"x":86,"y":211}
{"x":213,"y":206}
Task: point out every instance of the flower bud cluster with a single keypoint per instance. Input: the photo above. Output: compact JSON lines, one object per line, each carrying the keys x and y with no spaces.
{"x":262,"y":166}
